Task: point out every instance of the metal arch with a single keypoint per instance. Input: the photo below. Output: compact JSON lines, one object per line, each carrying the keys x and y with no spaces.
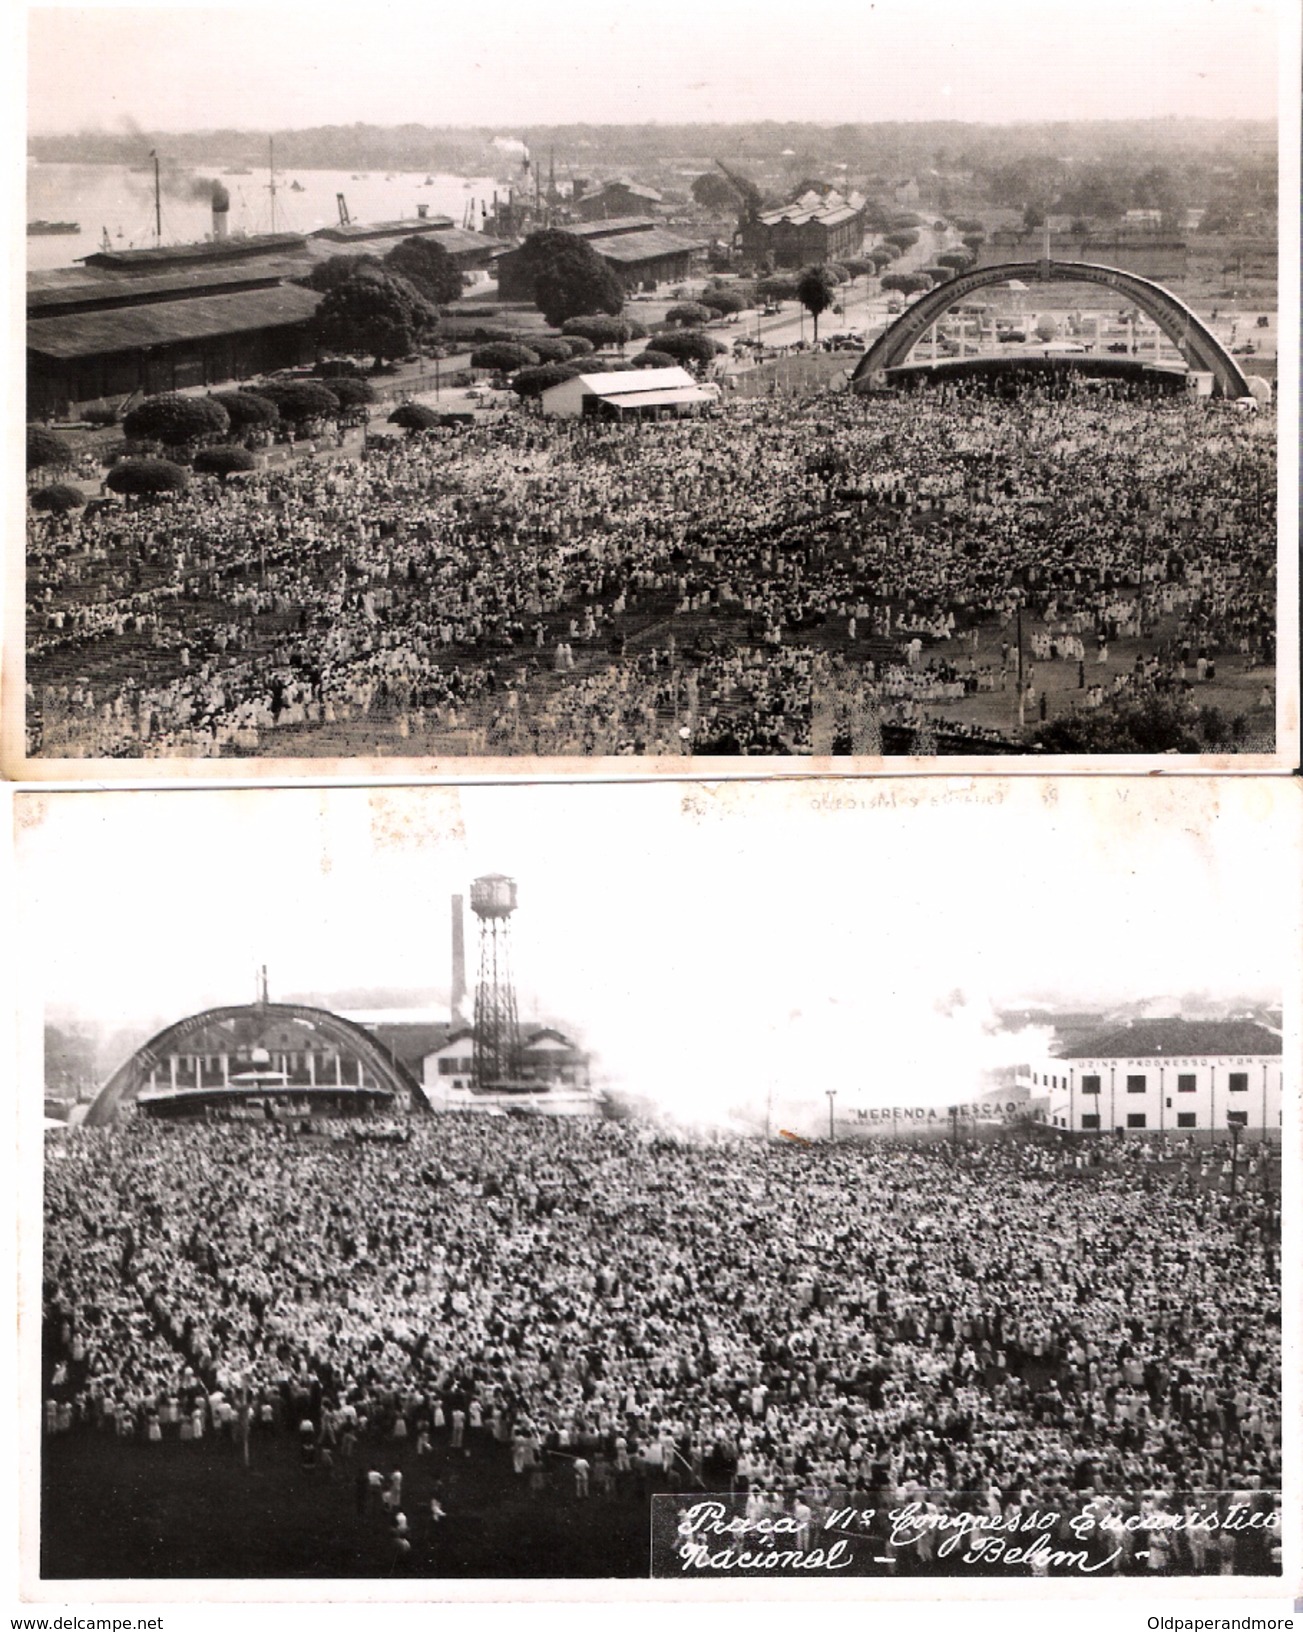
{"x":126,"y":1081}
{"x":1200,"y":347}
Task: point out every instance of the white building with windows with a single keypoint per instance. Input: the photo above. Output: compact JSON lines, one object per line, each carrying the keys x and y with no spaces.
{"x":1163,"y":1076}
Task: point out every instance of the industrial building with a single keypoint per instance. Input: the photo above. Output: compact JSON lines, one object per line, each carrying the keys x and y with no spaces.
{"x":616,"y":198}
{"x":196,"y":335}
{"x":639,"y":251}
{"x":1165,"y":1076}
{"x":811,"y":229}
{"x":140,"y":321}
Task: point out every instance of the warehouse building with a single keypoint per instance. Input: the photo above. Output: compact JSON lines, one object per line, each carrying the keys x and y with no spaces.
{"x":196,"y":336}
{"x":1163,"y":1076}
{"x":803,"y":233}
{"x":639,"y":251}
{"x":616,"y":199}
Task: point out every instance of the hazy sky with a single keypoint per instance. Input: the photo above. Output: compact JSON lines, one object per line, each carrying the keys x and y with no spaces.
{"x":770,"y":943}
{"x":512,"y":65}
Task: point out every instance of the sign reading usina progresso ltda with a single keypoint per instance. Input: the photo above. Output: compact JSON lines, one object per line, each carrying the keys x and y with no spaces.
{"x":883,"y":1117}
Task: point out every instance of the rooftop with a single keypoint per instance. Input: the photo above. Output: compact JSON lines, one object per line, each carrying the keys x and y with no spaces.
{"x":645,"y":246}
{"x":170,"y":255}
{"x":90,"y":334}
{"x":1153,"y":1039}
{"x":357,"y":231}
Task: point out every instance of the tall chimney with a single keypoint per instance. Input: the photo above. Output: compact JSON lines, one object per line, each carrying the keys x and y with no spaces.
{"x":457,"y":1002}
{"x":221,"y":210}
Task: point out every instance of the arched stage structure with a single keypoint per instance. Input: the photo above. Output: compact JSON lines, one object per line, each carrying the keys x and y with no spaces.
{"x":1200,"y":347}
{"x":274,"y":1053}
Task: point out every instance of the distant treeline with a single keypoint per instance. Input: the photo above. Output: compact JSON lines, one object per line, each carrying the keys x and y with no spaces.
{"x":1097,"y":167}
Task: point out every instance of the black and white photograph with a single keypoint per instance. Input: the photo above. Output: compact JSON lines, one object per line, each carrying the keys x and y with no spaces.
{"x":872,"y":1181}
{"x":662,"y":384}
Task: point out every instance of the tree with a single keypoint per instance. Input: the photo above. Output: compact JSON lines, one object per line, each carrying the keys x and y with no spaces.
{"x":500,"y":357}
{"x":776,"y":289}
{"x":568,"y":277}
{"x":46,"y":451}
{"x":722,"y":302}
{"x":549,"y":348}
{"x":376,"y":312}
{"x":302,"y":401}
{"x":905,"y":283}
{"x":248,"y":410}
{"x":223,"y":460}
{"x":338,"y":269}
{"x":958,"y":260}
{"x":532,"y":382}
{"x":973,"y":241}
{"x":146,"y":478}
{"x":712,"y":192}
{"x":1033,"y":216}
{"x":58,"y":499}
{"x":578,"y":345}
{"x":1046,"y":327}
{"x":653,"y":359}
{"x":902,"y":240}
{"x":601,"y":331}
{"x":428,"y":267}
{"x":814,"y":289}
{"x":689,"y":314}
{"x":688,"y":346}
{"x":350,"y":392}
{"x":1140,"y":723}
{"x":174,"y":420}
{"x":414,"y":416}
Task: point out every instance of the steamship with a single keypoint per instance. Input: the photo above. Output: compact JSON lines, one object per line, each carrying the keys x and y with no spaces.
{"x":44,"y":229}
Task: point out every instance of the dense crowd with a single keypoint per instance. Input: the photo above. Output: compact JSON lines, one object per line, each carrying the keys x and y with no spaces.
{"x":574,"y":587}
{"x":1002,"y":1323}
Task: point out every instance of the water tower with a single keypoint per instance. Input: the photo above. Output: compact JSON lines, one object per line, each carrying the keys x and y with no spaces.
{"x":497,"y":1030}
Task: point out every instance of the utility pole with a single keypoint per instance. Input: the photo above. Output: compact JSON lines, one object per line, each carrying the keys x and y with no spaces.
{"x":158,"y":204}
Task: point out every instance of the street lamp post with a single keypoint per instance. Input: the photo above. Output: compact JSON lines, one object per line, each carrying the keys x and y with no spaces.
{"x":832,"y":1127}
{"x":1235,"y":1158}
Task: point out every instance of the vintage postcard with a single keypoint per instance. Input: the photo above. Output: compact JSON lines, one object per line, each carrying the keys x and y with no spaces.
{"x":852,"y":388}
{"x":855,"y":1191}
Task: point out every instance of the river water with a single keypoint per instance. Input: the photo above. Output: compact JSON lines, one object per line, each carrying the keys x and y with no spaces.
{"x":113,"y":197}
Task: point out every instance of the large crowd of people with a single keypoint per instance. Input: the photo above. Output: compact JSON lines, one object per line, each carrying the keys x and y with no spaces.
{"x":985,"y":1326}
{"x":574,"y":587}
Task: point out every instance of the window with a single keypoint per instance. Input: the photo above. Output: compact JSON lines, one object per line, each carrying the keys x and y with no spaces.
{"x":1238,"y":1082}
{"x":1090,"y":1085}
{"x":1090,"y":1120}
{"x":1135,"y":1119}
{"x":1186,"y":1119}
{"x":1185,"y":1082}
{"x":1237,"y":1119}
{"x":1136,"y":1085}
